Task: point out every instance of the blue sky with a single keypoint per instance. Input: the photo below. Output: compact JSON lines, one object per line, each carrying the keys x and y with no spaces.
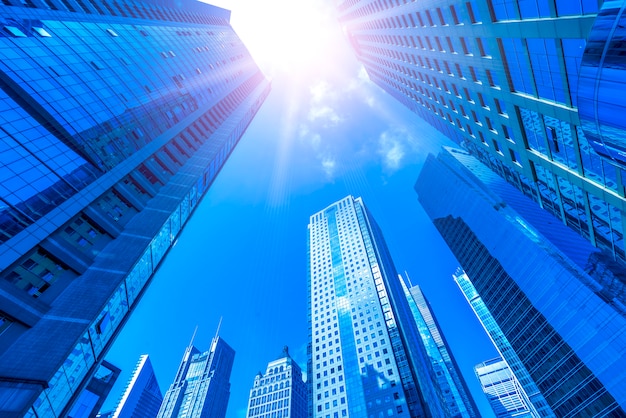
{"x":324,"y":132}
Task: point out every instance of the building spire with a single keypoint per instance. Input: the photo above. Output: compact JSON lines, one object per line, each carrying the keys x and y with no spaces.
{"x":193,"y":337}
{"x":219,"y":325}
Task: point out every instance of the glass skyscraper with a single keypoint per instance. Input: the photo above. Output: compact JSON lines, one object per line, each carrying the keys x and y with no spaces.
{"x":533,"y":88}
{"x":142,"y":397}
{"x":537,"y":404}
{"x":280,"y":392}
{"x":450,"y":380}
{"x":503,"y":390}
{"x":201,"y":387}
{"x":115,"y":119}
{"x":568,"y":333}
{"x":366,"y":356}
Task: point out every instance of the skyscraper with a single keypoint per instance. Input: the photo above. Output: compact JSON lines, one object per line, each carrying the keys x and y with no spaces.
{"x":528,"y":387}
{"x":281,"y":392}
{"x":449,"y":377}
{"x":93,"y":396}
{"x":201,"y":387}
{"x":503,"y":390}
{"x":142,"y":397}
{"x":534,"y":89}
{"x":366,"y":356}
{"x":567,"y":333}
{"x":116,"y":117}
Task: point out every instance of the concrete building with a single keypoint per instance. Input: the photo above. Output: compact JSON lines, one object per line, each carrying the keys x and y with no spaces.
{"x":502,"y":389}
{"x":366,"y":355}
{"x":280,"y":392}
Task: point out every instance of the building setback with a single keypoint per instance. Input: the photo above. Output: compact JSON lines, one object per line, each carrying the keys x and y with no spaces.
{"x":142,"y":397}
{"x":201,"y":387}
{"x":281,"y":392}
{"x":116,"y":117}
{"x":502,"y":389}
{"x":366,"y":356}
{"x":450,"y":380}
{"x":567,"y":333}
{"x":534,"y":89}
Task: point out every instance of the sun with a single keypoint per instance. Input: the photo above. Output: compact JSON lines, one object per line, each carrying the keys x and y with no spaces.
{"x":286,"y":36}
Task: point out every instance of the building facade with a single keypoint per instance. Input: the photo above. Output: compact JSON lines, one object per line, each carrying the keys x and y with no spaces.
{"x":92,"y":398}
{"x":142,"y":397}
{"x":280,"y":392}
{"x":502,"y":389}
{"x":366,"y":356}
{"x":567,"y":333}
{"x":116,"y":117}
{"x":537,"y":404}
{"x":534,"y":89}
{"x":455,"y":391}
{"x":201,"y":387}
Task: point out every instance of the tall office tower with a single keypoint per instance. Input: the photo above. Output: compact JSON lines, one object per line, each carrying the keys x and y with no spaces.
{"x":450,"y":380}
{"x":502,"y":78}
{"x":93,"y":396}
{"x":502,"y":389}
{"x":366,"y":356}
{"x":142,"y":397}
{"x":115,"y":119}
{"x":568,"y":334}
{"x":281,"y":392}
{"x":201,"y":387}
{"x":537,"y":404}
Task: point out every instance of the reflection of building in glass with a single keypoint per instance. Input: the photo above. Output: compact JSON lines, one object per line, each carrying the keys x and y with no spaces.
{"x":449,"y":377}
{"x":201,"y":387}
{"x":366,"y":356}
{"x":504,"y":392}
{"x":566,"y":332}
{"x":142,"y":397}
{"x":281,"y":392}
{"x":91,"y":399}
{"x":528,"y":388}
{"x":115,"y":119}
{"x":502,"y":79}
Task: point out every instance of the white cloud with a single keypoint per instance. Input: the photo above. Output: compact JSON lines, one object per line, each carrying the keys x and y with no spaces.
{"x":329,"y":165}
{"x":325,"y":114}
{"x":392,"y":147}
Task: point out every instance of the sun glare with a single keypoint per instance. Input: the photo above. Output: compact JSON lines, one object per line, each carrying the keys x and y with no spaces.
{"x":287,"y":36}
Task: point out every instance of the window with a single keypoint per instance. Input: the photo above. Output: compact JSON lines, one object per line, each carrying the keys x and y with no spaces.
{"x":15,"y":32}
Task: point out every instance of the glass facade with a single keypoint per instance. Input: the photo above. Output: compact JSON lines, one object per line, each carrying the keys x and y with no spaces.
{"x":449,"y":377}
{"x":533,"y":88}
{"x":528,"y":390}
{"x":142,"y":397}
{"x":281,"y":392}
{"x":366,"y":356}
{"x":201,"y":387}
{"x":116,"y":118}
{"x":564,"y":330}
